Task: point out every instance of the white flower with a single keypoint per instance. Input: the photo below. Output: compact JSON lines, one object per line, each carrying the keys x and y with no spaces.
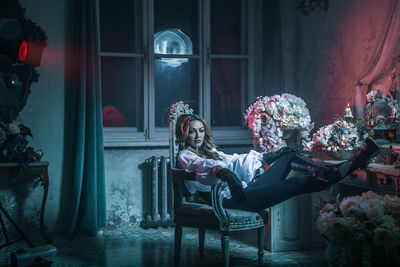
{"x":13,"y":129}
{"x":340,"y":135}
{"x":375,"y":213}
{"x":366,"y":217}
{"x":388,"y":238}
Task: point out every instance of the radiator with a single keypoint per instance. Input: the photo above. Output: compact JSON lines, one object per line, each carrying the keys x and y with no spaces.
{"x":159,"y":194}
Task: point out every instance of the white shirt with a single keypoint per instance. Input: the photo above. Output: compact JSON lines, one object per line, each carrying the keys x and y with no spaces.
{"x":243,"y":165}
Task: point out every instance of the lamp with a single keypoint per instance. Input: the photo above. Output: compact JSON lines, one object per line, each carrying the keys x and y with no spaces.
{"x":172,"y":42}
{"x":18,"y":44}
{"x":22,"y":51}
{"x":381,"y":116}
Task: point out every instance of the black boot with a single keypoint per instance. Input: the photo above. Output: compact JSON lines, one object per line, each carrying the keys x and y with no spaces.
{"x":362,"y":158}
{"x":272,"y":156}
{"x":325,"y":172}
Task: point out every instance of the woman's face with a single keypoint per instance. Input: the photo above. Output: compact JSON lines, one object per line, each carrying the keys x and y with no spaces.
{"x":196,"y":134}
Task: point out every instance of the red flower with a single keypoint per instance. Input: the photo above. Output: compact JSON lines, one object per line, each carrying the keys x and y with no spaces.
{"x":264,"y":117}
{"x":112,"y":117}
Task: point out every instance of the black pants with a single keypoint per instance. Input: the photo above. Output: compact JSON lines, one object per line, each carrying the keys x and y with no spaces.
{"x":271,"y":187}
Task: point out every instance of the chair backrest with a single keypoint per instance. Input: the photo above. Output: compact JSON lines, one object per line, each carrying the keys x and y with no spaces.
{"x":176,"y":110}
{"x":180,"y":192}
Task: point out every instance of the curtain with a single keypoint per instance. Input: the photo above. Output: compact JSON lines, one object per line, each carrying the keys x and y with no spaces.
{"x":83,"y":176}
{"x":387,"y":47}
{"x":272,"y":55}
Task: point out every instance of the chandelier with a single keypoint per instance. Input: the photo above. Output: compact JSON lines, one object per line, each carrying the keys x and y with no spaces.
{"x":307,"y":6}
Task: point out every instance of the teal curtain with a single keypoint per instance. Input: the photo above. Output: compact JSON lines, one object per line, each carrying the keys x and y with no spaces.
{"x":83,"y":199}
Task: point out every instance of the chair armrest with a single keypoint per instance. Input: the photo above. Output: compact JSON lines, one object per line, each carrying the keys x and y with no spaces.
{"x":216,"y":202}
{"x":182,"y":174}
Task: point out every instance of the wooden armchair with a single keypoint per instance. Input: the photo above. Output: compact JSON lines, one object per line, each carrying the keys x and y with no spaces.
{"x":189,"y":213}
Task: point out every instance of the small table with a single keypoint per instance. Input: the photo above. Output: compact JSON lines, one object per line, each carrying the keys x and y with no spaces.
{"x":385,"y":177}
{"x":379,"y":178}
{"x":33,"y":170}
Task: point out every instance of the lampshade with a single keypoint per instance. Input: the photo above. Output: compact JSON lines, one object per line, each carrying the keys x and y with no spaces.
{"x":172,"y":42}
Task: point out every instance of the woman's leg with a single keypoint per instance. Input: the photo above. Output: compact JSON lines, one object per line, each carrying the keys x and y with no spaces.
{"x":277,"y":172}
{"x":264,"y":196}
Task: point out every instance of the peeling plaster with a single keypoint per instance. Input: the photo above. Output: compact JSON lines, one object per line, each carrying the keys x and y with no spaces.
{"x":122,"y":209}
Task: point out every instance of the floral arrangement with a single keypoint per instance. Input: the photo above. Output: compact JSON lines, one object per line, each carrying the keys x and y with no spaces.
{"x":14,"y":144}
{"x":338,"y":136}
{"x":391,"y":103}
{"x":269,"y":117}
{"x":369,"y":221}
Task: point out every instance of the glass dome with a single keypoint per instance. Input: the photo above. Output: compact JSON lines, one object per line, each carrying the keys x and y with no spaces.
{"x":172,"y":42}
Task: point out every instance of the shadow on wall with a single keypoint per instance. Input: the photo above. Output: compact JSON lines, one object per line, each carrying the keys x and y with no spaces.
{"x":18,"y":197}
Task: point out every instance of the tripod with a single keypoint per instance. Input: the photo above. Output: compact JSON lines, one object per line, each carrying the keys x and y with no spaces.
{"x":4,"y":230}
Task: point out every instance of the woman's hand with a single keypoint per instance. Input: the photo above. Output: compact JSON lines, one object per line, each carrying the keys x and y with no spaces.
{"x":235,"y":185}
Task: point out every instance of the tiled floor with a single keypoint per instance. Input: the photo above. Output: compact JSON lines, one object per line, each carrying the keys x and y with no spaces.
{"x":135,"y":246}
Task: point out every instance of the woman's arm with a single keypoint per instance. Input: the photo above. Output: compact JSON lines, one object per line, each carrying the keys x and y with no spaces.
{"x":204,"y":168}
{"x":208,"y":170}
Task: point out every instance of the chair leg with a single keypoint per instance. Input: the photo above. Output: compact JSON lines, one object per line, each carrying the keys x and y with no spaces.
{"x":202,"y":234}
{"x":177,"y":243}
{"x":225,"y":247}
{"x":260,"y":232}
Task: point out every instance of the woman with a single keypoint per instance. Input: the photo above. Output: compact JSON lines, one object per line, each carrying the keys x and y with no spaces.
{"x":197,"y":153}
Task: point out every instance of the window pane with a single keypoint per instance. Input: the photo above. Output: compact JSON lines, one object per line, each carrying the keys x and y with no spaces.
{"x":122,"y":92}
{"x":228,"y":27}
{"x":177,"y":14}
{"x":228,"y":84}
{"x":121,"y":26}
{"x":173,"y":84}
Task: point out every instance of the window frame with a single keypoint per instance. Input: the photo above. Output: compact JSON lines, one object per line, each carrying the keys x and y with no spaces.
{"x":153,"y":136}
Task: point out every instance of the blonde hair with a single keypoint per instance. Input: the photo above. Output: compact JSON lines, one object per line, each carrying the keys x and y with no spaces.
{"x":182,"y":132}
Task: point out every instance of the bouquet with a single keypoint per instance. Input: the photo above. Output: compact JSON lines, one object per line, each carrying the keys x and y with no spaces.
{"x":14,"y":144}
{"x":269,"y":117}
{"x":338,"y":136}
{"x":365,"y":222}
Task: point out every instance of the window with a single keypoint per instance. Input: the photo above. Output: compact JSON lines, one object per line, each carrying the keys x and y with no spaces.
{"x":202,"y":55}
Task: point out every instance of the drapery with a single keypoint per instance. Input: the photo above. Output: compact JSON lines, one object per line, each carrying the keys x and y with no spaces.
{"x":83,"y":176}
{"x":387,"y":47}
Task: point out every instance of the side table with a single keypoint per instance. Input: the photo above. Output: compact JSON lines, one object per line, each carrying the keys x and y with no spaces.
{"x":32,"y":170}
{"x":385,"y":178}
{"x":380,"y":178}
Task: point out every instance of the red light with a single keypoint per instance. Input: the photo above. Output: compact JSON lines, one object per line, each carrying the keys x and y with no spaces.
{"x":23,"y":50}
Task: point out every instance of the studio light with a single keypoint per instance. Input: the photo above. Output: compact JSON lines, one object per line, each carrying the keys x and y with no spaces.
{"x":33,"y":53}
{"x":19,"y":44}
{"x":22,"y":51}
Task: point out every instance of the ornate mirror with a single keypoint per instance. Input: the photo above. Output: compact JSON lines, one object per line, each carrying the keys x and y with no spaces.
{"x":21,"y":45}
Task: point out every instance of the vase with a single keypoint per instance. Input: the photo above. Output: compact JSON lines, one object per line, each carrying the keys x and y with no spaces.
{"x":360,"y":253}
{"x":343,"y":154}
{"x":290,"y":137}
